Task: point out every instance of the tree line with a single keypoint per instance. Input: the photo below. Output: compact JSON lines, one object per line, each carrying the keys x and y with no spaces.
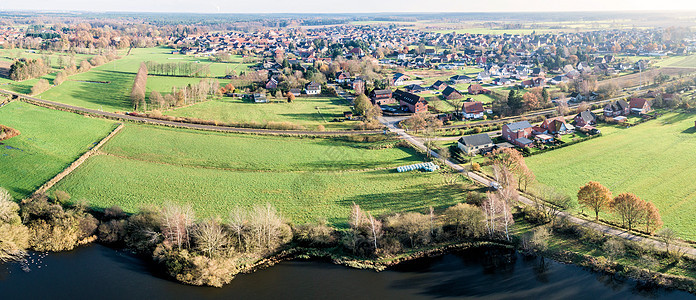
{"x":632,"y":210}
{"x":189,"y":69}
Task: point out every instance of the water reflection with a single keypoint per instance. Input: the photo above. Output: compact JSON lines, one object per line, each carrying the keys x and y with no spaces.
{"x":100,"y":272}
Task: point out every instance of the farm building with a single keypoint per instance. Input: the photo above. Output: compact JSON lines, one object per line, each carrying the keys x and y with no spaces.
{"x":381,"y":97}
{"x":411,"y":102}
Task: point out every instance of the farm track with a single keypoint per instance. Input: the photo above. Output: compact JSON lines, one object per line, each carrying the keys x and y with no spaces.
{"x":123,"y":117}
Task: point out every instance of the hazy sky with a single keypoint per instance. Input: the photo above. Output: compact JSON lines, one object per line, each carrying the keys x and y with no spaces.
{"x":339,"y":6}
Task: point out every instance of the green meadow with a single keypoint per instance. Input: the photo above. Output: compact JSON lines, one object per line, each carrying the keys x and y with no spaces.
{"x":654,"y":160}
{"x":306,"y":179}
{"x":309,"y":112}
{"x":49,"y":141}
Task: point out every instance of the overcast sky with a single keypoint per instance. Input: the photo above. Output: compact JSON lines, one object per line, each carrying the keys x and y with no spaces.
{"x":344,"y":6}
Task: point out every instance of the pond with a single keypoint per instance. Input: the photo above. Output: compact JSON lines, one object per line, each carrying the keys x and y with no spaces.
{"x":100,"y":272}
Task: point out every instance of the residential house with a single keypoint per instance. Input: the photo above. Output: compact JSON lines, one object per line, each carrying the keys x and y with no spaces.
{"x":451,"y":93}
{"x":476,"y":89}
{"x":555,"y":125}
{"x":272,"y":84}
{"x":295,"y":91}
{"x":410,"y":102}
{"x":398,"y":79}
{"x":342,"y":77}
{"x":414,"y":88}
{"x":458,"y":79}
{"x":618,"y":108}
{"x":313,"y":88}
{"x":502,"y":81}
{"x":381,"y":97}
{"x":639,"y":106}
{"x":472,"y":110}
{"x":518,"y":133}
{"x":438,"y":85}
{"x":475,"y":144}
{"x":585,"y":119}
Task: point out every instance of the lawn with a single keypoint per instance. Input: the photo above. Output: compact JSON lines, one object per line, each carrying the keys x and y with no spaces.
{"x":49,"y":141}
{"x":306,"y":179}
{"x":654,"y":160}
{"x":303,"y":111}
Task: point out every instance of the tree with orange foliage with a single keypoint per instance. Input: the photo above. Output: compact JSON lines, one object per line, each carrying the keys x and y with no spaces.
{"x":290,"y":96}
{"x":652,"y":218}
{"x":630,"y":208}
{"x":595,"y":197}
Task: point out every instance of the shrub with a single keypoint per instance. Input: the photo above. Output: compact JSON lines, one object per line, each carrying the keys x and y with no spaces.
{"x":61,"y":197}
{"x":315,"y":235}
{"x":536,"y":240}
{"x":112,"y":231}
{"x":614,"y":248}
{"x":476,"y":167}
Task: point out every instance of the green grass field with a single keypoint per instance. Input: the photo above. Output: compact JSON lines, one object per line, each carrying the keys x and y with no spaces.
{"x":252,"y":153}
{"x":306,"y":179}
{"x":49,"y":141}
{"x":83,"y":90}
{"x":654,"y":160}
{"x":303,"y":111}
{"x":678,"y":62}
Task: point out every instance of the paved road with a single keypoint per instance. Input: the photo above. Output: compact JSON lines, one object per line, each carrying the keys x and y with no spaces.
{"x":116,"y":116}
{"x":392,"y":123}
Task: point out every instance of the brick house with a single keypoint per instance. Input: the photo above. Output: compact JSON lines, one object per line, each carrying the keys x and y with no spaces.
{"x":518,"y":133}
{"x":555,"y":125}
{"x":438,"y":85}
{"x":585,"y":118}
{"x":313,"y":88}
{"x":410,"y":102}
{"x":381,"y":97}
{"x":476,"y":89}
{"x":639,"y":106}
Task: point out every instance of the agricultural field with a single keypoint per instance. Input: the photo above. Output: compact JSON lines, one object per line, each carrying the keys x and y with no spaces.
{"x":107,"y":87}
{"x":49,"y":141}
{"x":679,"y":62}
{"x":648,"y":160}
{"x":306,"y":179}
{"x":309,"y":112}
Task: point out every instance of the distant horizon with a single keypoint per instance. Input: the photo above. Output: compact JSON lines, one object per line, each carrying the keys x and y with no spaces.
{"x":352,"y":7}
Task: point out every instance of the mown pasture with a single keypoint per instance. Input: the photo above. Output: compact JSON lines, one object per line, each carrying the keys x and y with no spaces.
{"x":49,"y":141}
{"x":306,"y":179}
{"x":654,"y":160}
{"x":309,"y":112}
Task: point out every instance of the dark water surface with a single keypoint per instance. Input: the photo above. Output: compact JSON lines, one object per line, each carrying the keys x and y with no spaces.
{"x":98,"y":272}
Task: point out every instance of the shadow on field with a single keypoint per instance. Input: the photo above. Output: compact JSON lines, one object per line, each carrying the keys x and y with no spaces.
{"x":690,"y":130}
{"x":414,"y":198}
{"x":115,"y":94}
{"x":675,"y":118}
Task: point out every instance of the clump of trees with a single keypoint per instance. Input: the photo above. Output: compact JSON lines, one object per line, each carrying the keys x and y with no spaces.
{"x":24,"y":69}
{"x":188,"y":69}
{"x":371,"y":113}
{"x":630,"y":208}
{"x":188,"y":94}
{"x":14,"y":236}
{"x":41,"y":86}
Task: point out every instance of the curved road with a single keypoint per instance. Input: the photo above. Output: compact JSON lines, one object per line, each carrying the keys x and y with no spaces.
{"x":116,"y":116}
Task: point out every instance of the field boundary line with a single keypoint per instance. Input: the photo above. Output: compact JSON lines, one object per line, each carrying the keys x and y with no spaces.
{"x":49,"y":184}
